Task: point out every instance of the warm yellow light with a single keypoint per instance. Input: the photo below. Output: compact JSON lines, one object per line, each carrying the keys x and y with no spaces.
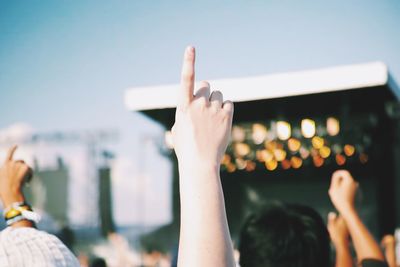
{"x":271,"y":145}
{"x":318,"y":161}
{"x":226,"y":159}
{"x":241,"y":149}
{"x":168,"y":140}
{"x":314,"y":152}
{"x":340,"y":159}
{"x":332,"y":126}
{"x":349,"y":150}
{"x":271,"y":165}
{"x":296,"y":162}
{"x":238,"y":134}
{"x":294,"y":144}
{"x":264,"y":155}
{"x":231,"y":167}
{"x":250,"y":166}
{"x":279,"y":154}
{"x":304,"y":153}
{"x":325,"y":152}
{"x":317,"y":142}
{"x":308,"y":128}
{"x":285,"y":164}
{"x":241,"y":163}
{"x":283,"y":130}
{"x":259,"y":133}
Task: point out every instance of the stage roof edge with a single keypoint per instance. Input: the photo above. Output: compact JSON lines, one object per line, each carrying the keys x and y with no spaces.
{"x":323,"y":80}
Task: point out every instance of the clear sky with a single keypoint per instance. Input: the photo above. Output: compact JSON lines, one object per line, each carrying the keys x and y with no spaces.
{"x":64,"y":65}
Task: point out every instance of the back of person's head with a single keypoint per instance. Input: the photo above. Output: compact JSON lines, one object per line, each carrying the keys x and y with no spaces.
{"x":98,"y":262}
{"x":284,"y":235}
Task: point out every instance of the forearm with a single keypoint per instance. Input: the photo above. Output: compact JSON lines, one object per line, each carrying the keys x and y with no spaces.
{"x":391,"y":258}
{"x":365,"y":245}
{"x":390,"y":255}
{"x":204,"y":237}
{"x":343,"y":255}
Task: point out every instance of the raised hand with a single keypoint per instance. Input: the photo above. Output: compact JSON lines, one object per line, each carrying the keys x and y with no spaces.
{"x":388,"y":244}
{"x":13,"y":174}
{"x":342,"y":191}
{"x":200,"y":134}
{"x":338,"y":230}
{"x":203,"y":120}
{"x":340,"y":236}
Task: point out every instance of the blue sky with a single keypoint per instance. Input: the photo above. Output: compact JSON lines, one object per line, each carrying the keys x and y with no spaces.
{"x":64,"y":65}
{"x":75,"y":58}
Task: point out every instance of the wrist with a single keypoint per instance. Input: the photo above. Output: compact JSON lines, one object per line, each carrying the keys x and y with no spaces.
{"x":341,"y":243}
{"x":348,"y":214}
{"x":9,"y":199}
{"x":198,"y":166}
{"x":345,"y":208}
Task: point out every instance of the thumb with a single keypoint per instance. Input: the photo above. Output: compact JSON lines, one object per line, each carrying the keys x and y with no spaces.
{"x":332,"y":216}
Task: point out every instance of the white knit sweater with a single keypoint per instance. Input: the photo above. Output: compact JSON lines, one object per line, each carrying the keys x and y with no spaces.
{"x":29,"y":247}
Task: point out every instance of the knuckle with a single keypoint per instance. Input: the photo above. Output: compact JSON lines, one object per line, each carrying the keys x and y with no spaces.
{"x":201,"y":101}
{"x":217,"y":93}
{"x":204,"y":84}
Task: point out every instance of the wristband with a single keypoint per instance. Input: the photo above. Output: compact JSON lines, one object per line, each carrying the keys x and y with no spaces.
{"x":14,"y":220}
{"x":20,"y":211}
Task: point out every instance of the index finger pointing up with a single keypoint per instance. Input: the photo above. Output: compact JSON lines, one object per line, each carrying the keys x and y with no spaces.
{"x":187,"y":76}
{"x":10,"y":153}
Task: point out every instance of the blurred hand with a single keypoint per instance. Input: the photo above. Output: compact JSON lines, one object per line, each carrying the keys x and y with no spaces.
{"x":338,"y":230}
{"x":388,"y":241}
{"x":342,"y":191}
{"x":203,"y":121}
{"x":12,"y":177}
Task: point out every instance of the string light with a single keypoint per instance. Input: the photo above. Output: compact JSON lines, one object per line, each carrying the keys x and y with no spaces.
{"x":288,"y":146}
{"x":325,"y":152}
{"x":294,"y":144}
{"x":296,"y":162}
{"x":318,"y":161}
{"x":238,"y":134}
{"x":259,"y":133}
{"x":241,"y":163}
{"x":242,"y":149}
{"x":265,"y":155}
{"x":317,"y":142}
{"x":349,"y":150}
{"x":308,"y":128}
{"x":279,"y":154}
{"x":271,"y":165}
{"x":231,"y":167}
{"x":285,"y":164}
{"x":283,"y":130}
{"x":332,"y":126}
{"x":340,"y":159}
{"x":304,"y":153}
{"x":226,"y":159}
{"x":250,"y":166}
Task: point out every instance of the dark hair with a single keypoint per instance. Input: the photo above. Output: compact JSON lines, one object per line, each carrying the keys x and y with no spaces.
{"x":285,"y":235}
{"x":98,"y":262}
